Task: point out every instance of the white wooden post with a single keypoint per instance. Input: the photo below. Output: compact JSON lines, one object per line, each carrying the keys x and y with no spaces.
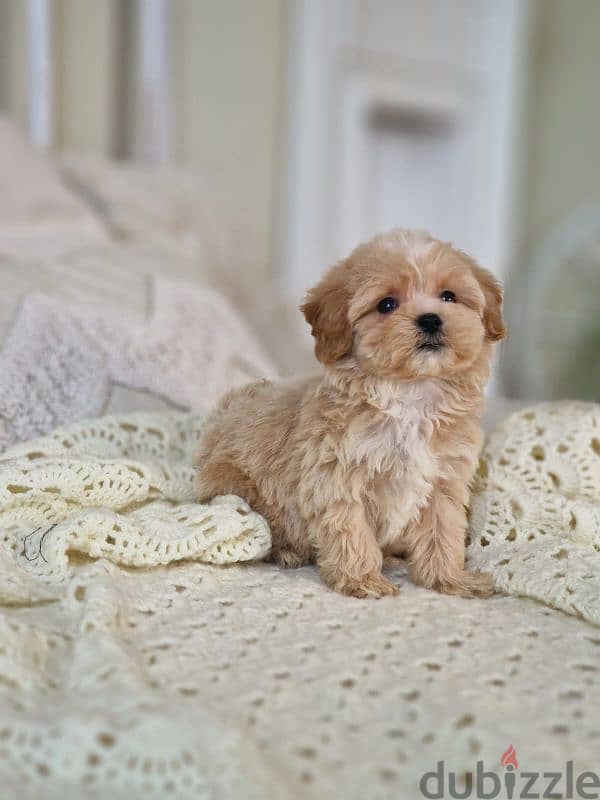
{"x":39,"y":72}
{"x":152,"y":130}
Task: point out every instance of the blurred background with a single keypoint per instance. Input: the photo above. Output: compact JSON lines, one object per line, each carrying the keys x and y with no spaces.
{"x":324,"y":121}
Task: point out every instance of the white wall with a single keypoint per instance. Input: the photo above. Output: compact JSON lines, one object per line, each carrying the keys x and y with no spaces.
{"x":228,"y":59}
{"x":227,"y":64}
{"x":562,"y":156}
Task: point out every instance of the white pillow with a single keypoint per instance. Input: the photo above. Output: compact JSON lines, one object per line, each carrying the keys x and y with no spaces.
{"x":38,"y":215}
{"x":107,"y":340}
{"x":99,"y":310}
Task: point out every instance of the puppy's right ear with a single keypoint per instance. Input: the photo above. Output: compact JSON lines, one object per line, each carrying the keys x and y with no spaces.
{"x":326,"y":311}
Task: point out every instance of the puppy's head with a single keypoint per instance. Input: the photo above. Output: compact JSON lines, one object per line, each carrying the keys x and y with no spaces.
{"x":405,"y":305}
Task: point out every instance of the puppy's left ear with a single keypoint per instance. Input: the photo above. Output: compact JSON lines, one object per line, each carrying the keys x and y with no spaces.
{"x":492,"y":314}
{"x":326,"y":311}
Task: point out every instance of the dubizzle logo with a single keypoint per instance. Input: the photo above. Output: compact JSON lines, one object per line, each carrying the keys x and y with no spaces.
{"x":510,"y":764}
{"x":509,"y":758}
{"x":512,"y":784}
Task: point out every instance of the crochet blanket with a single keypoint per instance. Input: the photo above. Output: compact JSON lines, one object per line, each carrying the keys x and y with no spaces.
{"x":535,"y":508}
{"x":199,"y":681}
{"x":119,"y":488}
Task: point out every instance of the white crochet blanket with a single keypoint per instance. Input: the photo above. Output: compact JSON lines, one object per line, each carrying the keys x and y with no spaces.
{"x":535,"y":510}
{"x":118,"y":488}
{"x":197,"y":681}
{"x":194,"y":680}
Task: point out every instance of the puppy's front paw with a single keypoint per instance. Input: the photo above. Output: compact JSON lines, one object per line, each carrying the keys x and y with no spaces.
{"x":468,"y":584}
{"x":373,"y":585}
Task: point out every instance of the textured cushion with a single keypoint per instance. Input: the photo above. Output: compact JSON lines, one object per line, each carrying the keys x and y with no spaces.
{"x":183,"y":213}
{"x":163,"y":343}
{"x":93,"y":320}
{"x":38,"y":215}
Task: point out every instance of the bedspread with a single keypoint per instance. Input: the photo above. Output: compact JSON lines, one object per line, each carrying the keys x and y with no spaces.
{"x":131,"y":669}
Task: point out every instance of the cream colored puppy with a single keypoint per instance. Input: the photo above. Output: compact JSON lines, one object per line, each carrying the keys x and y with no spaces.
{"x":374,"y":456}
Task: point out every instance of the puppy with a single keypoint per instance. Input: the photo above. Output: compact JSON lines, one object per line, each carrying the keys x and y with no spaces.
{"x":374,"y":456}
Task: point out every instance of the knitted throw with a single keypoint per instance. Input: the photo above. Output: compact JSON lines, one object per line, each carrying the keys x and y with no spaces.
{"x":535,"y":509}
{"x":190,"y":680}
{"x":120,"y":488}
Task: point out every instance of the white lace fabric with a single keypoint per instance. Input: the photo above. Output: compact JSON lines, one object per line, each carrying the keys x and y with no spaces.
{"x":122,"y":675}
{"x":535,"y":510}
{"x":118,"y":488}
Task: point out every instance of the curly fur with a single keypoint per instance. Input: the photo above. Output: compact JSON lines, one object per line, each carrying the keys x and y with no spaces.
{"x":374,"y":456}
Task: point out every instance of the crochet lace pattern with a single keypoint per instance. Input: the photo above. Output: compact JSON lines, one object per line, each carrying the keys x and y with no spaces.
{"x":119,"y":488}
{"x":190,"y":680}
{"x":535,"y":509}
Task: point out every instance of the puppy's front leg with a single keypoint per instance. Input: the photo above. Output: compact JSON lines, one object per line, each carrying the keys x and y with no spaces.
{"x":348,"y":554}
{"x":437,"y":546}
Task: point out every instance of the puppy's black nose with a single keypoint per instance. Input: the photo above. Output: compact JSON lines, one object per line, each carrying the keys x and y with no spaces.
{"x":429,"y":323}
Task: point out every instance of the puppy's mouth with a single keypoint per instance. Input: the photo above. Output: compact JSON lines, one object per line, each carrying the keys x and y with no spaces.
{"x":431,"y":344}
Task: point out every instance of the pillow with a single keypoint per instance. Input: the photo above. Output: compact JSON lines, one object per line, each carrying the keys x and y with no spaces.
{"x":101,"y":309}
{"x":38,"y":215}
{"x":165,"y":206}
{"x":179,"y":211}
{"x":108,"y":339}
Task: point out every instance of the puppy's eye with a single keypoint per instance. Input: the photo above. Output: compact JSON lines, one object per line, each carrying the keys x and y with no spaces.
{"x":386,"y":305}
{"x":448,"y":297}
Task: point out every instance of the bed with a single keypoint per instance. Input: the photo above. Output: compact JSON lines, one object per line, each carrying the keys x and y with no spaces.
{"x":193,"y":679}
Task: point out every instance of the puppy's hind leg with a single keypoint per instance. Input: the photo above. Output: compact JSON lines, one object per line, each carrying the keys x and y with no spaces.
{"x":291,"y":544}
{"x":221,"y":476}
{"x":290,"y":559}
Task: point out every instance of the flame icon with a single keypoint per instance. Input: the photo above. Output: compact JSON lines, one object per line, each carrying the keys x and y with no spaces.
{"x":509,"y":758}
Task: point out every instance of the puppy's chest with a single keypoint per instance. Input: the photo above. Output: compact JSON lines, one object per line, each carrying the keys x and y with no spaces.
{"x":401,"y":463}
{"x":403,"y":452}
